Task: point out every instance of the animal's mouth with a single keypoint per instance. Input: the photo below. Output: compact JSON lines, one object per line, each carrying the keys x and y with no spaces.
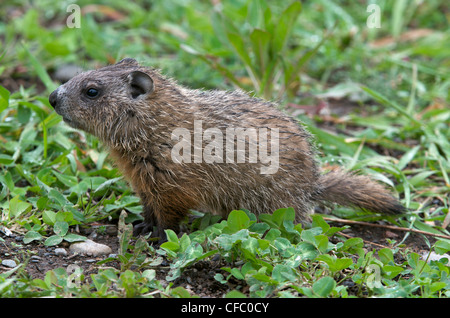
{"x":70,"y":122}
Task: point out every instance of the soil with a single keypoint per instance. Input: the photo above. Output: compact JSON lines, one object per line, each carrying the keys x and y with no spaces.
{"x":198,"y":279}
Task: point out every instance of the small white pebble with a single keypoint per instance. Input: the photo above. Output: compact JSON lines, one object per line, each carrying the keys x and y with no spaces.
{"x":60,"y":252}
{"x":9,"y":263}
{"x":434,"y":256}
{"x":89,"y":247}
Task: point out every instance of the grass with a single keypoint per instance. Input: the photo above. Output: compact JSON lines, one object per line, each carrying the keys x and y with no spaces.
{"x":54,"y":178}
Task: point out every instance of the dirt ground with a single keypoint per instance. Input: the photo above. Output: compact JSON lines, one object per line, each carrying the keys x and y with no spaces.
{"x":197,"y":279}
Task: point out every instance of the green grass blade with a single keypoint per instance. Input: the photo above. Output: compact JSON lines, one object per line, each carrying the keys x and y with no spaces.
{"x":385,"y":101}
{"x":284,"y":26}
{"x":40,"y":70}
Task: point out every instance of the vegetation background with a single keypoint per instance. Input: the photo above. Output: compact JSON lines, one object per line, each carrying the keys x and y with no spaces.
{"x":370,"y":82}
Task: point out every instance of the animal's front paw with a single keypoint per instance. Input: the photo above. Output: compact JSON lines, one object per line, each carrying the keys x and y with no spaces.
{"x":144,"y":228}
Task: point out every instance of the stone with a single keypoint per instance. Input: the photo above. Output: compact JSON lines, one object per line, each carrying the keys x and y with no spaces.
{"x":9,"y":263}
{"x":434,"y":256}
{"x":90,"y":247}
{"x":60,"y":251}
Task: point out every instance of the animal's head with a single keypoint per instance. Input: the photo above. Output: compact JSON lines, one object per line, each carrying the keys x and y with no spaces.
{"x":111,"y":103}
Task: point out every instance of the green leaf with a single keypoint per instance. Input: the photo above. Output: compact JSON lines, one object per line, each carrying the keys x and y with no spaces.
{"x":260,"y":42}
{"x":284,"y":26}
{"x":407,"y":157}
{"x":317,"y":221}
{"x":74,"y":238}
{"x":227,"y":241}
{"x":413,"y":260}
{"x":295,"y":68}
{"x":324,"y":286}
{"x":283,"y":273}
{"x":265,"y":279}
{"x":283,"y":245}
{"x":6,"y":160}
{"x":4,"y":98}
{"x":67,"y":180}
{"x":7,"y":180}
{"x":107,"y":184}
{"x":434,"y":287}
{"x":185,"y":242}
{"x":214,"y":64}
{"x":354,"y":245}
{"x":391,"y":271}
{"x":249,"y":247}
{"x":272,"y":235}
{"x":335,"y":264}
{"x":65,"y":216}
{"x":57,"y":197}
{"x":171,"y":246}
{"x":149,"y":274}
{"x":57,"y":48}
{"x":49,"y":217}
{"x":237,"y":273}
{"x":180,"y":292}
{"x":307,"y":250}
{"x":53,"y":240}
{"x":426,"y":227}
{"x":171,"y":236}
{"x":386,"y":255}
{"x":23,"y":114}
{"x":40,"y":70}
{"x":310,"y":235}
{"x":385,"y":101}
{"x":442,"y":247}
{"x":39,"y":110}
{"x":337,"y":142}
{"x":237,"y":220}
{"x":41,"y":203}
{"x":398,"y":17}
{"x":60,"y":228}
{"x":31,"y":236}
{"x":321,"y":243}
{"x":235,"y":294}
{"x":242,"y":51}
{"x":263,"y":244}
{"x":17,"y":207}
{"x":284,"y":214}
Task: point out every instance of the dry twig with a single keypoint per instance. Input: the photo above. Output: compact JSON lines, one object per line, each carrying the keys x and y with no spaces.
{"x":390,"y":227}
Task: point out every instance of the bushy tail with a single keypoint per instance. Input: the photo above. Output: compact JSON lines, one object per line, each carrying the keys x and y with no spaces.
{"x":349,"y":189}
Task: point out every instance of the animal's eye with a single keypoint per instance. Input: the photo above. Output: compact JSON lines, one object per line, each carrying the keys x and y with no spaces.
{"x":92,"y":92}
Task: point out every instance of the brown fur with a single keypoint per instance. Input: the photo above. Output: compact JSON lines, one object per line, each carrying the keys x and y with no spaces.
{"x":135,"y":113}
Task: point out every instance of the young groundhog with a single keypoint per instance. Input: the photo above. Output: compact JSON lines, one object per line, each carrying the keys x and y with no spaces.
{"x":211,"y":151}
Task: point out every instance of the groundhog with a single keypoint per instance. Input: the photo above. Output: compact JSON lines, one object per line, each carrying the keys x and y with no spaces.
{"x":212,"y":151}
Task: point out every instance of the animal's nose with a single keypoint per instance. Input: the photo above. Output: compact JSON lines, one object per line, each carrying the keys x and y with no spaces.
{"x":53,"y":98}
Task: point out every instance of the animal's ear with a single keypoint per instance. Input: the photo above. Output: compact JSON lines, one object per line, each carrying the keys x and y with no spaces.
{"x":128,"y":60}
{"x":140,"y":83}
